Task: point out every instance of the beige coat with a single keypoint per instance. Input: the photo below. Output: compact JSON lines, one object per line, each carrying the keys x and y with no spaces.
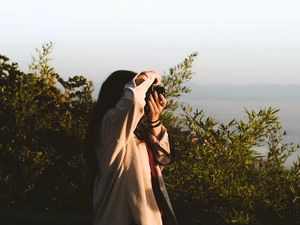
{"x":123,"y":191}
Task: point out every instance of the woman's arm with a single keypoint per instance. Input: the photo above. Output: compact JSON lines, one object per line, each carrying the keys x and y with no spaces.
{"x":158,"y":133}
{"x":161,"y":147}
{"x":120,"y":122}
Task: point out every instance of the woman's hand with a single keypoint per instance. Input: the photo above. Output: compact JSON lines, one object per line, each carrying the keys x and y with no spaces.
{"x":157,"y":77}
{"x":156,"y":104}
{"x":147,"y":74}
{"x":140,"y":79}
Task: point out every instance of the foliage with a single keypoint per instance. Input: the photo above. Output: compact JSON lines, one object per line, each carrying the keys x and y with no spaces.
{"x":43,"y":121}
{"x":174,"y":81}
{"x":219,"y":176}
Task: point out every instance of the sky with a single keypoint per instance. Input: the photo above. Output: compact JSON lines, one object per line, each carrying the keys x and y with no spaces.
{"x":239,"y":42}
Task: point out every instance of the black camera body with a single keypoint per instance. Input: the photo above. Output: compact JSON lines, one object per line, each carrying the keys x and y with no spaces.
{"x":151,"y":90}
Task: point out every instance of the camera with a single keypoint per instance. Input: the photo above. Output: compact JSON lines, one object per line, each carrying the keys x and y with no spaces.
{"x":151,"y":90}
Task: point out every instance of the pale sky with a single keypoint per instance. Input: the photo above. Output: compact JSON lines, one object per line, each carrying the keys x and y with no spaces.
{"x":238,"y":41}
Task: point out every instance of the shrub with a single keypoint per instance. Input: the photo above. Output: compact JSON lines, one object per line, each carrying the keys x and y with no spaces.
{"x":43,"y":122}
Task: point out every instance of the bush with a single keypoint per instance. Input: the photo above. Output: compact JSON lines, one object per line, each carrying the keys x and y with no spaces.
{"x":220,"y":178}
{"x":43,"y":122}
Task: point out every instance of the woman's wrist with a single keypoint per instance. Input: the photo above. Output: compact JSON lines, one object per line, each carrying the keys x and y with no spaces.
{"x":156,"y":124}
{"x":153,"y":117}
{"x":153,"y":121}
{"x":156,"y":131}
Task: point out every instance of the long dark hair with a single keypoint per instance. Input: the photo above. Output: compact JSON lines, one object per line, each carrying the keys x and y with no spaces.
{"x":110,"y":93}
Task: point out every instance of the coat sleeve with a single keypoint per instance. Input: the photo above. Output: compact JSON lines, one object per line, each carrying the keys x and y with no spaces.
{"x":120,"y":122}
{"x":162,"y":151}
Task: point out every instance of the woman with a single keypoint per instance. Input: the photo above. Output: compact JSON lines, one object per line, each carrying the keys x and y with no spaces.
{"x":129,"y":188}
